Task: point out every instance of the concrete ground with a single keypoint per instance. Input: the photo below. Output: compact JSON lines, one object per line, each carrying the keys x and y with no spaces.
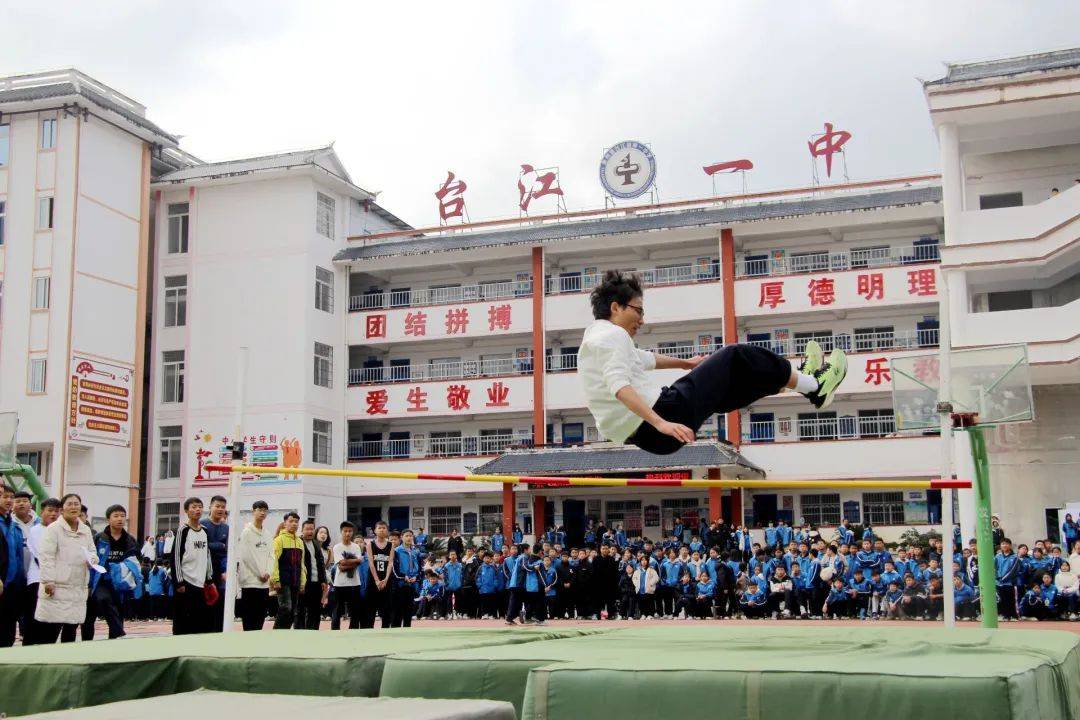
{"x":158,"y":628}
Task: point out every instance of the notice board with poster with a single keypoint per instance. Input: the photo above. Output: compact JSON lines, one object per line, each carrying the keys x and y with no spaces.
{"x":99,"y":402}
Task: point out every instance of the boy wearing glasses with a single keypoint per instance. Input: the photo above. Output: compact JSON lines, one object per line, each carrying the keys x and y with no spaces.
{"x":628,"y":408}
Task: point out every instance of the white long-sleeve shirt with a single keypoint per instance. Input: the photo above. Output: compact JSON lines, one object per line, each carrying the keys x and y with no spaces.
{"x":608,"y":361}
{"x":256,"y":546}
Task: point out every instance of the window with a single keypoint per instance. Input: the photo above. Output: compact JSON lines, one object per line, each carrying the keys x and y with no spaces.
{"x":324,"y":215}
{"x":495,"y":440}
{"x":444,"y":368}
{"x":324,"y":290}
{"x":490,"y":518}
{"x":445,"y":442}
{"x":48,"y":133}
{"x":35,"y":382}
{"x":876,"y":423}
{"x":175,"y":300}
{"x":874,"y":256}
{"x":320,"y":441}
{"x":168,"y":517}
{"x":172,"y":376}
{"x":400,"y":297}
{"x":817,"y":426}
{"x":824,"y":338}
{"x":45,"y":213}
{"x":178,"y":228}
{"x":813,"y":261}
{"x":169,"y":452}
{"x":41,"y":293}
{"x":885,"y":508}
{"x":5,"y":143}
{"x":821,"y":509}
{"x":313,"y":512}
{"x":324,"y":365}
{"x":874,"y":338}
{"x":37,"y":459}
{"x":2,"y":213}
{"x":441,"y":520}
{"x":1010,"y":300}
{"x":626,"y":513}
{"x":1001,"y":200}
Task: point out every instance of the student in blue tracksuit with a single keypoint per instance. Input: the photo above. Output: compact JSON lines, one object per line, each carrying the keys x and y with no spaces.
{"x":1049,"y":593}
{"x":620,"y":537}
{"x":1008,"y":574}
{"x":517,"y":535}
{"x":838,"y":603}
{"x":964,"y":599}
{"x":867,"y":560}
{"x":671,"y":572}
{"x":502,"y":599}
{"x":890,"y":575}
{"x":868,"y":533}
{"x":753,"y":601}
{"x":686,"y":590}
{"x":703,"y":597}
{"x":770,"y":537}
{"x":801,"y":592}
{"x":407,"y":580}
{"x":860,"y":591}
{"x":878,"y":588}
{"x":893,"y":597}
{"x":1070,"y":531}
{"x":533,"y":583}
{"x":783,"y":533}
{"x":515,"y":583}
{"x":487,"y":586}
{"x":453,"y":576}
{"x":497,"y":541}
{"x":1032,"y":604}
{"x":431,"y":595}
{"x":846,"y":534}
{"x":158,"y":587}
{"x":550,"y":577}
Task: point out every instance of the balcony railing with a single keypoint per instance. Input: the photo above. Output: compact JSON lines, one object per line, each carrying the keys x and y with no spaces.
{"x":434,"y":447}
{"x":457,"y":370}
{"x":845,"y":427}
{"x":568,"y":361}
{"x":836,"y":260}
{"x":855,"y":342}
{"x":652,"y":277}
{"x":382,"y":299}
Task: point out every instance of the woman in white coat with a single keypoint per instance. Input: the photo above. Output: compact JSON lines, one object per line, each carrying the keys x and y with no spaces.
{"x":66,"y":551}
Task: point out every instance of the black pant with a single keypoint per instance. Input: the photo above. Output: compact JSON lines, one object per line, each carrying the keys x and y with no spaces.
{"x":106,"y":604}
{"x":536,"y":605}
{"x":404,"y":604}
{"x":288,"y":598}
{"x":666,"y":597}
{"x":29,"y":628}
{"x":684,"y":603}
{"x":11,"y":609}
{"x":513,"y":608}
{"x":215,"y":613}
{"x":730,"y":379}
{"x":967,"y":609}
{"x":189,"y":611}
{"x":309,"y":608}
{"x":489,"y":604}
{"x":46,"y":633}
{"x":786,"y":597}
{"x":347,"y":599}
{"x":253,"y":603}
{"x":1006,"y":601}
{"x":381,"y":603}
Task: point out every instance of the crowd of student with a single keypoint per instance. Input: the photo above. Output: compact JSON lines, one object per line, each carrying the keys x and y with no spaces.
{"x":56,"y":575}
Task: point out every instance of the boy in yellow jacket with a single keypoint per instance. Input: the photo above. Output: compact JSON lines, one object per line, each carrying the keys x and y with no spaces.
{"x":288,"y":575}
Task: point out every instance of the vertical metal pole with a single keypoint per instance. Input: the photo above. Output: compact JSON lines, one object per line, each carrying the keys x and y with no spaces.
{"x":984,"y":541}
{"x":232,"y":558}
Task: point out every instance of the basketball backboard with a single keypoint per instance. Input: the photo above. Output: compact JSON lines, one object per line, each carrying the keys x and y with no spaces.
{"x":9,"y":431}
{"x":994,"y":383}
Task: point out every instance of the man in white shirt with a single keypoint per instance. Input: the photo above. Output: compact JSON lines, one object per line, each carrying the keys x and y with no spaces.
{"x":50,"y":511}
{"x":628,"y":408}
{"x":349,"y":580}
{"x":255,"y":559}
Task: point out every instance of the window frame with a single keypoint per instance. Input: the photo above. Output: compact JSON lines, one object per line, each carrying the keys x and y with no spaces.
{"x":322,"y":439}
{"x":175,"y":303}
{"x":170,"y":440}
{"x":878,"y":511}
{"x":46,"y":218}
{"x":441,"y":519}
{"x":819,"y":509}
{"x":176,"y":365}
{"x":41,"y":292}
{"x":49,"y":131}
{"x":5,"y":144}
{"x":183,"y":228}
{"x":31,"y":375}
{"x":325,"y":214}
{"x":323,"y":365}
{"x":486,"y":524}
{"x":324,"y":290}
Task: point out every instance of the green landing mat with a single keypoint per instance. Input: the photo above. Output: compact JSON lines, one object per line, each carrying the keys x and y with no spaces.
{"x":762,"y":672}
{"x":209,"y":704}
{"x":349,"y":663}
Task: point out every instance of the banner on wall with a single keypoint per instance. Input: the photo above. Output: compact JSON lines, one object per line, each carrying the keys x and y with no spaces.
{"x":261,"y":450}
{"x":100,"y":402}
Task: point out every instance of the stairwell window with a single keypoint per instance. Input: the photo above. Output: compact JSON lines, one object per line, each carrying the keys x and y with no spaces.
{"x":48,"y":133}
{"x":35,"y":381}
{"x":324,"y":365}
{"x":178,"y":228}
{"x":176,"y":300}
{"x":320,"y":441}
{"x":45,"y":213}
{"x":324,"y":290}
{"x":169,"y":446}
{"x":324,"y":215}
{"x":41,"y":293}
{"x":172,"y":376}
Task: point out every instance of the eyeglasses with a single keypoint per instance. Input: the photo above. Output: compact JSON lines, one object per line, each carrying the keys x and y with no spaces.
{"x":639,"y":309}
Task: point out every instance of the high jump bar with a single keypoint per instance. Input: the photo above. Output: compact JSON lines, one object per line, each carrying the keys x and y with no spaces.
{"x":553,"y":481}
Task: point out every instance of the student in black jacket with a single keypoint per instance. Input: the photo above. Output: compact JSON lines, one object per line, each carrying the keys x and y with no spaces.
{"x":627,"y":594}
{"x":564,"y":593}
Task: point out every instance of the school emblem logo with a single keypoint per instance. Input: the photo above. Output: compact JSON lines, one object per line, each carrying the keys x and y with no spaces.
{"x":628,"y":170}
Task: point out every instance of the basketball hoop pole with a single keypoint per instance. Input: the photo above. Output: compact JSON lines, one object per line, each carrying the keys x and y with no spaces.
{"x":232,"y":558}
{"x":945,"y":421}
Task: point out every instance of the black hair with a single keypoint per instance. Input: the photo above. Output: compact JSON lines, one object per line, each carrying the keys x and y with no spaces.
{"x":5,"y":489}
{"x":291,"y":514}
{"x":617,"y":287}
{"x":72,"y":495}
{"x":114,"y":508}
{"x":23,"y":494}
{"x":220,"y":499}
{"x":50,"y":503}
{"x":191,"y":501}
{"x":259,"y":505}
{"x":347,"y":524}
{"x":309,"y":521}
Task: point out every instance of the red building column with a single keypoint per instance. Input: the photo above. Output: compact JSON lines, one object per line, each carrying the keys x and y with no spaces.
{"x":539,"y":521}
{"x":731,"y":331}
{"x":736,"y":518}
{"x":508,"y":511}
{"x":714,"y":495}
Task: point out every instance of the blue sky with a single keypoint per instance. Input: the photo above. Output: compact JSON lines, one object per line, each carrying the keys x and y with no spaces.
{"x":410,"y":90}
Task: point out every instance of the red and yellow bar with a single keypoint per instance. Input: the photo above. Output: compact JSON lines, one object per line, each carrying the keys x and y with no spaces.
{"x":554,"y":482}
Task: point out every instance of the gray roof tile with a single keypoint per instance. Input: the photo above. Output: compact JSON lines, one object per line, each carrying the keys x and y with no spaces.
{"x":1042,"y":62}
{"x":554,"y":232}
{"x":592,"y":460}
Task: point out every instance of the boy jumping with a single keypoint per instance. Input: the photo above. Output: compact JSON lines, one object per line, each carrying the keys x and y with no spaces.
{"x":628,"y":408}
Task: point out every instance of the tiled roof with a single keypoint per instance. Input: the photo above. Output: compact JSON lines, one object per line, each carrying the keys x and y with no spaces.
{"x":554,"y":232}
{"x":66,"y":89}
{"x":591,"y":460}
{"x":965,"y":72}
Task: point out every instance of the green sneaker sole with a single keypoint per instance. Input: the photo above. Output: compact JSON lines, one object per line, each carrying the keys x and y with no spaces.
{"x":834,"y":376}
{"x":813,"y":358}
